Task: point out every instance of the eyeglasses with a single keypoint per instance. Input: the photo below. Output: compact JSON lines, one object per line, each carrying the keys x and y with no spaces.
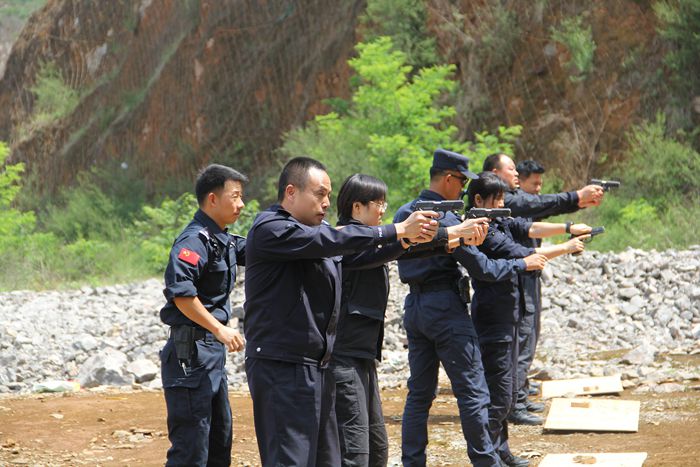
{"x":462,"y":179}
{"x":382,"y":206}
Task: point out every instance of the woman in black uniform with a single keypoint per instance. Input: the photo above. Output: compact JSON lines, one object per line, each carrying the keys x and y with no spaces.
{"x":360,"y":332}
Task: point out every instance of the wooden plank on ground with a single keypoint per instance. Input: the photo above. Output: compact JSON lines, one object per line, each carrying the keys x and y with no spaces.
{"x":618,"y":459}
{"x":581,"y":386}
{"x":580,"y":414}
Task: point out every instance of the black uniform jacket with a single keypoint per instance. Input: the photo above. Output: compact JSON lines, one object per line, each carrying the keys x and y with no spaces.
{"x":441,"y":269}
{"x":202,"y":264}
{"x":293,"y":284}
{"x":496,"y":305}
{"x":522,"y":204}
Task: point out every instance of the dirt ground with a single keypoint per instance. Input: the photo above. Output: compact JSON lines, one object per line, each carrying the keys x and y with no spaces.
{"x":128,"y":428}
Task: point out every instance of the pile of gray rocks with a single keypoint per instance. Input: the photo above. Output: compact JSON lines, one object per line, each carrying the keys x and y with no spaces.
{"x":604,"y":313}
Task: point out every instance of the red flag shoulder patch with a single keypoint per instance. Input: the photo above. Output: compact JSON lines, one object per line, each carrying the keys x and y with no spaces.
{"x":188,"y":256}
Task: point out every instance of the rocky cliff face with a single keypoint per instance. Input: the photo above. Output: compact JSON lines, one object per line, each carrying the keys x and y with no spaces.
{"x":166,"y":86}
{"x":513,"y":72}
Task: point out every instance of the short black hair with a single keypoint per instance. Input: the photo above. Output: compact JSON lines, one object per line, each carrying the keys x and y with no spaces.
{"x":488,"y":184}
{"x":529,"y":167}
{"x":492,"y":162}
{"x":296,"y":172}
{"x":213,"y":177}
{"x":361,"y":188}
{"x":435,"y":173}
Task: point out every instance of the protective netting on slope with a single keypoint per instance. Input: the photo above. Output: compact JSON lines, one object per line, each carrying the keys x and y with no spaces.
{"x":167,"y":86}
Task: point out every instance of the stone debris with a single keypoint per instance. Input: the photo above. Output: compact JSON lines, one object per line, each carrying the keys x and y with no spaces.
{"x":603,"y":314}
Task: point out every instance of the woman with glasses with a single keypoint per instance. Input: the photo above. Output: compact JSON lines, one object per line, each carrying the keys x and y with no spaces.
{"x":360,"y":332}
{"x":363,"y":438}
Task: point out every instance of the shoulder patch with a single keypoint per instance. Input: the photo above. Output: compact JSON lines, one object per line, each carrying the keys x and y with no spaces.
{"x":188,"y":256}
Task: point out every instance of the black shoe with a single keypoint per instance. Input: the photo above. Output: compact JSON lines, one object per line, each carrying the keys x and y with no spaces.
{"x":515,"y":461}
{"x":534,"y":406}
{"x":523,"y":417}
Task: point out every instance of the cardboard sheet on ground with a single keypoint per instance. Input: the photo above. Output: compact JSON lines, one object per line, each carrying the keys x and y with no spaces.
{"x":581,"y":414}
{"x":581,"y":386}
{"x":621,"y":459}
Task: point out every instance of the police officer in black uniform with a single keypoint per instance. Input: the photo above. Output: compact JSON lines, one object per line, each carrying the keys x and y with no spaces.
{"x":533,"y":207}
{"x":439,"y":328}
{"x":293,"y":293}
{"x":199,"y":277}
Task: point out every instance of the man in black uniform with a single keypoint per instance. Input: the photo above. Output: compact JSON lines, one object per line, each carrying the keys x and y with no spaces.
{"x":440,"y":330}
{"x":533,"y":207}
{"x":293,"y":295}
{"x":199,"y":277}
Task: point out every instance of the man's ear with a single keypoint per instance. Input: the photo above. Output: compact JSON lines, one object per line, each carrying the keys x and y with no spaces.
{"x":211,"y":198}
{"x":478,"y":200}
{"x":290,"y":191}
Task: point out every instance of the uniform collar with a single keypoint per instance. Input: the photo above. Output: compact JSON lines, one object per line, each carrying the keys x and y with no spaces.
{"x":221,"y":235}
{"x":430,"y":195}
{"x":351,"y":221}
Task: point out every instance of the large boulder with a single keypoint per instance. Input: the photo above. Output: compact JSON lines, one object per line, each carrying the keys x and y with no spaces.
{"x":108,"y":367}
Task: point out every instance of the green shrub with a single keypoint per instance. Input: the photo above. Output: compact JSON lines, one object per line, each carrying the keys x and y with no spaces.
{"x":84,"y":211}
{"x":405,"y":21}
{"x":486,"y":144}
{"x":21,"y":9}
{"x":392,"y":124}
{"x":54,"y":99}
{"x":658,"y":167}
{"x":578,"y":39}
{"x":158,"y":227}
{"x":499,"y":32}
{"x":679,"y":23}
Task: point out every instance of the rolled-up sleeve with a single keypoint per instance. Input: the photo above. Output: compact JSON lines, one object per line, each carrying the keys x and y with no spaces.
{"x":188,"y":257}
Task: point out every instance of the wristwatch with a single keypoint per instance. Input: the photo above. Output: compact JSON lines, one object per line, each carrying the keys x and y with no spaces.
{"x":568,"y":227}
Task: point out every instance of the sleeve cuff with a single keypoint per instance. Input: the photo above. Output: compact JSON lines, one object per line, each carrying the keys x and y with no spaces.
{"x":386,"y":233}
{"x":180,"y":289}
{"x":520,"y":265}
{"x":574,"y":197}
{"x":442,"y":237}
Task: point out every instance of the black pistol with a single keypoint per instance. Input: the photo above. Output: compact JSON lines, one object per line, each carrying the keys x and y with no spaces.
{"x":473,"y":213}
{"x":439,"y":206}
{"x":606,"y":184}
{"x":594,"y":231}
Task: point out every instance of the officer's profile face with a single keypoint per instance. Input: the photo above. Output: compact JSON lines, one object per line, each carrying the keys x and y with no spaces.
{"x":454,"y":184}
{"x":531,"y":184}
{"x":506,"y":170}
{"x":370,"y":213}
{"x":309,"y":205}
{"x":226,"y":206}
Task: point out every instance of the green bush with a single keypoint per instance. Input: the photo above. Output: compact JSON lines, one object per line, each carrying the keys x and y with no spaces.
{"x":658,"y":167}
{"x":21,"y":9}
{"x":54,"y":99}
{"x":578,"y":39}
{"x":392,"y":124}
{"x":92,"y":235}
{"x":499,"y":31}
{"x":679,"y":23}
{"x":405,"y":21}
{"x":84,"y":211}
{"x":658,"y":205}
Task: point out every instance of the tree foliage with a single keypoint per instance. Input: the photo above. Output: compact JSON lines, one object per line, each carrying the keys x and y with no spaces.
{"x":392,"y":124}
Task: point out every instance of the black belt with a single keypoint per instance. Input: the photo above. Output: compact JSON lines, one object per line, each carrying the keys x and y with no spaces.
{"x":197,"y":333}
{"x":433,"y":287}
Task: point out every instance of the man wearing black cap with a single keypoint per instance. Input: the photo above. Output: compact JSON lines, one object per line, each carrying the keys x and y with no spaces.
{"x":439,"y":328}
